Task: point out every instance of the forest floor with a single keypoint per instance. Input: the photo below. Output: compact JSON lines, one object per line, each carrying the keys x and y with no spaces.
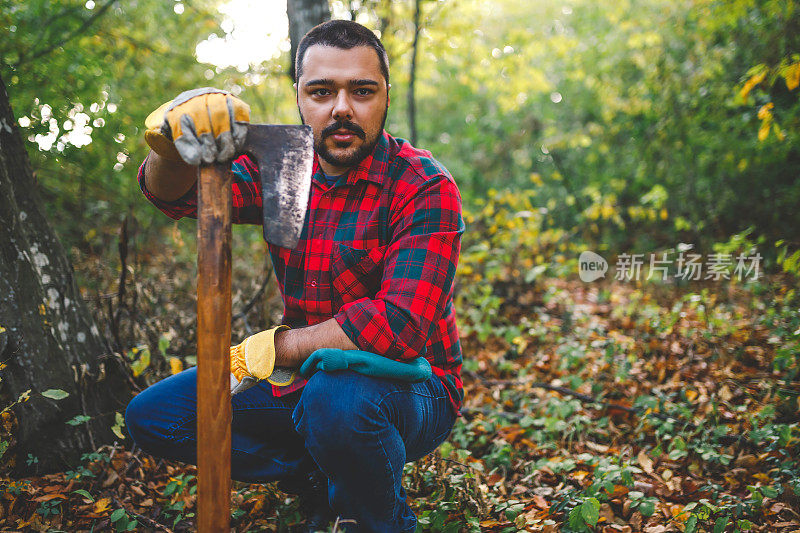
{"x":589,"y":407}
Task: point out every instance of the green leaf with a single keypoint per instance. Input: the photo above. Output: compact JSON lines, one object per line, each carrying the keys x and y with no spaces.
{"x":445,"y":449}
{"x":55,"y":394}
{"x":677,"y":454}
{"x":744,"y":525}
{"x":575,"y":519}
{"x":691,"y":525}
{"x":117,"y":427}
{"x":78,"y":420}
{"x":116,"y":515}
{"x":163,"y":344}
{"x":721,"y":524}
{"x":83,"y":493}
{"x":590,"y":511}
{"x":141,"y":363}
{"x":647,"y":507}
{"x":769,"y":492}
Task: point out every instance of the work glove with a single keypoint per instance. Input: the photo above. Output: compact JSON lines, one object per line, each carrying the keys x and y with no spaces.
{"x":370,"y":364}
{"x":201,"y":126}
{"x":254,"y":359}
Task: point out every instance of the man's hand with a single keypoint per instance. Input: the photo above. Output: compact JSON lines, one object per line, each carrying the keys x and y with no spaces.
{"x":203,"y":125}
{"x":276,"y":355}
{"x":254,"y":360}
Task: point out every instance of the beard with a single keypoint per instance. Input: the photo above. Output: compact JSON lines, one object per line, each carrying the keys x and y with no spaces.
{"x":351,"y":157}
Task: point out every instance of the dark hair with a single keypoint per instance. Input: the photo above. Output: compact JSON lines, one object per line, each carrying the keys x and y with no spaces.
{"x":344,"y":34}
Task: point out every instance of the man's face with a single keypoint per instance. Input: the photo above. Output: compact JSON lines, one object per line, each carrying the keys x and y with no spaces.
{"x":343,"y":96}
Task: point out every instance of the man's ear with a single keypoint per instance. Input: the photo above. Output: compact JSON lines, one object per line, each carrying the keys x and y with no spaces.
{"x":388,"y":97}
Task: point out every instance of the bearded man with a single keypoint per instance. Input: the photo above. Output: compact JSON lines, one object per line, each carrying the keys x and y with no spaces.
{"x":368,"y":322}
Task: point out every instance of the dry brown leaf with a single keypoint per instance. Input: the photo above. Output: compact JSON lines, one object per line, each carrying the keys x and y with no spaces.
{"x":112,"y":478}
{"x":540,"y":502}
{"x":645,"y":462}
{"x":48,"y":497}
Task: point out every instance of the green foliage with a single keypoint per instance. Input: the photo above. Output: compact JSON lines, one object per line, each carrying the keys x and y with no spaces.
{"x":55,"y":394}
{"x":122,"y":522}
{"x":630,"y":113}
{"x":82,"y":77}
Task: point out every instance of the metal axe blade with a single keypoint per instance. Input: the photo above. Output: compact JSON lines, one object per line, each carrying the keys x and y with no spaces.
{"x":285,"y":157}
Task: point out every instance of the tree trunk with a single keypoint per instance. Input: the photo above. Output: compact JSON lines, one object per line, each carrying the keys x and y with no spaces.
{"x":412,"y":78}
{"x":48,"y":339}
{"x":304,"y":15}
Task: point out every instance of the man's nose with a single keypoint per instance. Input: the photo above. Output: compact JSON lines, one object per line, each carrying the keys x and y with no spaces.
{"x":342,"y":110}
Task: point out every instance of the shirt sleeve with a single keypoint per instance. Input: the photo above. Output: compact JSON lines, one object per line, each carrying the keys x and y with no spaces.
{"x":419,"y":268}
{"x":245,"y":186}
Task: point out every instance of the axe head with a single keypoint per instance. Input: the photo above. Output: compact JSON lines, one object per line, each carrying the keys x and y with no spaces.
{"x":285,"y":156}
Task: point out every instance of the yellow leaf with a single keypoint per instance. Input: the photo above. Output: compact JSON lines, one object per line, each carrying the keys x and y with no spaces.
{"x":765,"y":111}
{"x":752,"y":82}
{"x":763,"y":131}
{"x":691,"y":395}
{"x":792,"y":76}
{"x":175,"y":365}
{"x":102,"y":505}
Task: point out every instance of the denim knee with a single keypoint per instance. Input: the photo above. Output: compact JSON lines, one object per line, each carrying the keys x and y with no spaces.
{"x":136,"y":415}
{"x":152,"y":428}
{"x":331,"y":415}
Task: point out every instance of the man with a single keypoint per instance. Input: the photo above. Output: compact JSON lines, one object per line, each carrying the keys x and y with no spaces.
{"x":367,"y":292}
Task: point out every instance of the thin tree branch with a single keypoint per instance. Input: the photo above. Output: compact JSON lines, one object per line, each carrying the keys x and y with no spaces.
{"x":77,"y":31}
{"x":252,"y":302}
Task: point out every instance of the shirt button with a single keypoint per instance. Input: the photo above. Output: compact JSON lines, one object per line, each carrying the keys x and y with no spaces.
{"x":313,"y":283}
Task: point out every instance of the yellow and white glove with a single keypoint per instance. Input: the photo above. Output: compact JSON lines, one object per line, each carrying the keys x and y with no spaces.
{"x":254,"y":359}
{"x":201,"y":126}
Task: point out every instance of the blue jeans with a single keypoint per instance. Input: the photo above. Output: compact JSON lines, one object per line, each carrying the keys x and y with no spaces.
{"x":359,"y":430}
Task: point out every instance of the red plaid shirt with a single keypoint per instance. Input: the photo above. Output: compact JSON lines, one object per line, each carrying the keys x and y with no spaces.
{"x":378,"y":253}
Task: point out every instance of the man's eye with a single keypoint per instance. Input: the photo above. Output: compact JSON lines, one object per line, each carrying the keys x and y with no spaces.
{"x":364,"y":92}
{"x":321,"y":92}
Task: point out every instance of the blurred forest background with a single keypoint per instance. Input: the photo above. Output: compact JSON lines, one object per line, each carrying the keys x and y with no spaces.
{"x":569,"y":125}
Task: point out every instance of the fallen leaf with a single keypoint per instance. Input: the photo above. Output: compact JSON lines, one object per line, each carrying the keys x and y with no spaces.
{"x":645,"y":462}
{"x":102,"y":505}
{"x":112,"y":478}
{"x":49,"y":497}
{"x":540,"y":502}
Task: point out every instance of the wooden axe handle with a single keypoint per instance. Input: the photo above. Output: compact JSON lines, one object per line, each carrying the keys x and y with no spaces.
{"x":213,"y":348}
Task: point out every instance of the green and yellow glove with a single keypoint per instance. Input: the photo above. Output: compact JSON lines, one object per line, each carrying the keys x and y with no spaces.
{"x":201,"y":126}
{"x":254,"y":359}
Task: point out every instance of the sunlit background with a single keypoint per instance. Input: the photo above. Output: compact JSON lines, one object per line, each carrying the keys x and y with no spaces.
{"x":636,"y":124}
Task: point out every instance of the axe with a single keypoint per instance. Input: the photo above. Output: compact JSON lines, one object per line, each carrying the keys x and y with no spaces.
{"x":284,"y":155}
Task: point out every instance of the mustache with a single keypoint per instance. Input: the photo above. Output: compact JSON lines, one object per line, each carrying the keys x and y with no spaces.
{"x":344,"y":125}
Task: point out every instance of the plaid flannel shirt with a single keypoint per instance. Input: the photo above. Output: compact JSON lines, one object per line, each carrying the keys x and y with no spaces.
{"x":378,"y":253}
